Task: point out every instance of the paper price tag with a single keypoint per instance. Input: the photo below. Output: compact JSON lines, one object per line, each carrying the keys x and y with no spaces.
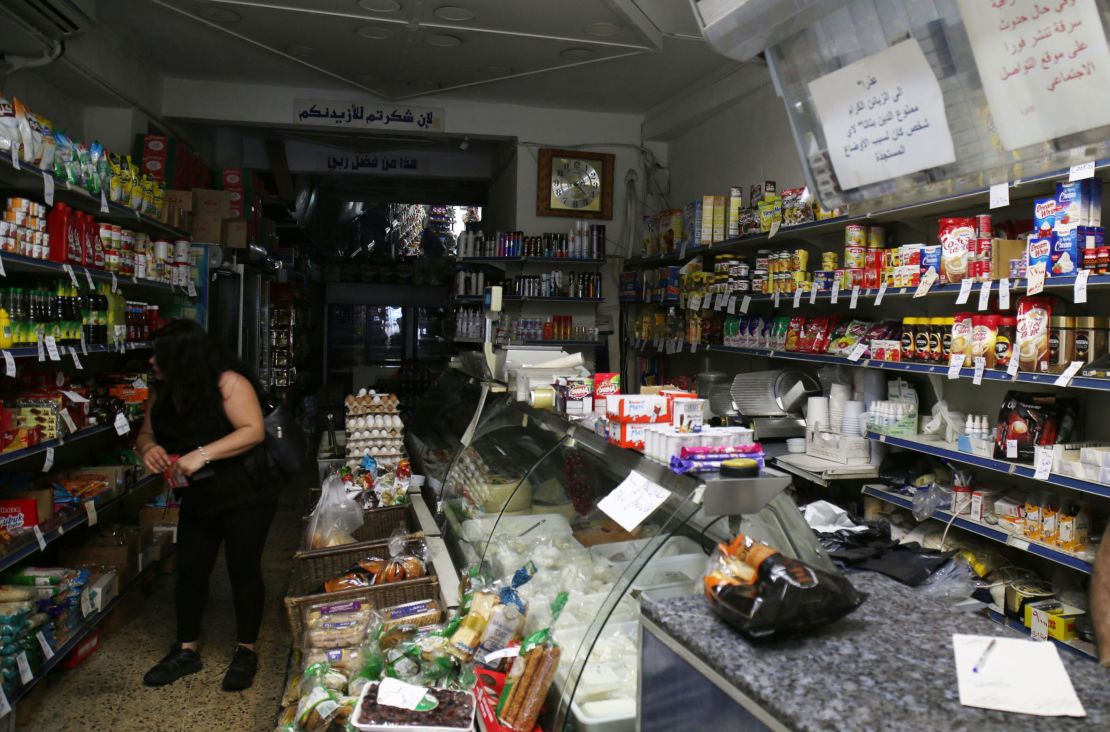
{"x":694,"y":347}
{"x":1042,"y":462}
{"x":115,"y":283}
{"x":104,"y":202}
{"x":88,"y":278}
{"x":1038,"y":629}
{"x":658,"y":344}
{"x":813,"y":293}
{"x":797,"y":297}
{"x":955,"y":363}
{"x":121,"y":424}
{"x":719,"y":304}
{"x":52,"y":348}
{"x":1004,"y":293}
{"x":1012,"y":367}
{"x":980,"y":366}
{"x":857,"y":352}
{"x":927,"y":281}
{"x":707,"y":302}
{"x":1081,"y":286}
{"x":9,"y":365}
{"x":39,"y":536}
{"x":1069,"y":373}
{"x":1082,"y":171}
{"x":47,"y":651}
{"x":1011,"y":450}
{"x":72,"y":275}
{"x":745,"y":303}
{"x":68,"y":419}
{"x":15,"y":157}
{"x":694,"y":303}
{"x":732,"y":305}
{"x":25,"y":674}
{"x":776,"y":225}
{"x":965,"y":291}
{"x":41,"y":347}
{"x":86,"y":603}
{"x":396,"y":693}
{"x":47,"y":188}
{"x":835,"y":292}
{"x":881,"y":294}
{"x":1034,"y":283}
{"x":985,"y":295}
{"x":90,"y":511}
{"x":76,"y":361}
{"x":3,"y":272}
{"x":1000,"y":195}
{"x":84,"y":348}
{"x":48,"y":462}
{"x":775,"y":299}
{"x":631,"y":502}
{"x":855,"y":298}
{"x":5,"y":707}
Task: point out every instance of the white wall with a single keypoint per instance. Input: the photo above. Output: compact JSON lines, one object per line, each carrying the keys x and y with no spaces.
{"x":44,"y":99}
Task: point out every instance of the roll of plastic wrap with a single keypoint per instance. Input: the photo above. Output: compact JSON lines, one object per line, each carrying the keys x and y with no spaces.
{"x":542,"y":398}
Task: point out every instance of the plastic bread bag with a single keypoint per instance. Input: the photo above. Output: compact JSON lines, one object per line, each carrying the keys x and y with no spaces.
{"x":761,"y":592}
{"x":9,"y":128}
{"x":506,"y":621}
{"x":339,"y":624}
{"x":317,"y":708}
{"x":334,"y":518}
{"x":531,"y":676}
{"x":423,"y":657}
{"x":325,"y":675}
{"x":401,"y":565}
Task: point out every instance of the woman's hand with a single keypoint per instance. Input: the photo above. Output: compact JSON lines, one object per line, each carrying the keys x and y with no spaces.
{"x":156,"y":460}
{"x":190,"y":463}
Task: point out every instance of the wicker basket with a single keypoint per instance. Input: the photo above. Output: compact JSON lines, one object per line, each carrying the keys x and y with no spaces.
{"x":379,"y":523}
{"x":311,"y":569}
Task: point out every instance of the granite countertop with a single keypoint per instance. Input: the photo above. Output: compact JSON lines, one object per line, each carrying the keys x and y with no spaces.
{"x":888,"y":665}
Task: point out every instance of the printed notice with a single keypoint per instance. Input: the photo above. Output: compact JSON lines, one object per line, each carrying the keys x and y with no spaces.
{"x":631,"y":502}
{"x":1037,"y":59}
{"x":883,"y":116}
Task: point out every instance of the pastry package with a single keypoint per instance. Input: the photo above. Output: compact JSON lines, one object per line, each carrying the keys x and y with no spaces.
{"x":530,"y":677}
{"x":334,"y":518}
{"x":1030,"y":419}
{"x":761,"y":592}
{"x":406,"y":562}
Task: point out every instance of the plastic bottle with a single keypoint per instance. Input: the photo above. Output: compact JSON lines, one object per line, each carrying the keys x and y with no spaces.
{"x":6,"y":340}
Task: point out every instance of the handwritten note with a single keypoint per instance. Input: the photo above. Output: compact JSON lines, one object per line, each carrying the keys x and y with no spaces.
{"x":1018,"y":675}
{"x":366,"y":115}
{"x":883,"y":116}
{"x":1036,"y":59}
{"x":631,"y":502}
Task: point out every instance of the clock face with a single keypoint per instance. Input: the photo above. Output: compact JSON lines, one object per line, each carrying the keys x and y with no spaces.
{"x":575,"y":185}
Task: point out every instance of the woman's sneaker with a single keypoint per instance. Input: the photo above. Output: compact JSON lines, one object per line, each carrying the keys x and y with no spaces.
{"x":241,"y":671}
{"x":179,"y":662}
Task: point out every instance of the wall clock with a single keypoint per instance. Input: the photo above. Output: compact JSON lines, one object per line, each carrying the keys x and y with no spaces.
{"x":575,"y":184}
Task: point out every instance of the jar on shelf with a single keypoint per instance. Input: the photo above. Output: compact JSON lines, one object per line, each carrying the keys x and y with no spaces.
{"x":1061,"y":342}
{"x":1090,"y":338}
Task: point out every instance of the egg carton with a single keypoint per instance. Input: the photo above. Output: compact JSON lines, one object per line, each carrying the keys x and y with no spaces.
{"x":375,"y":452}
{"x":375,"y":421}
{"x":370,"y":403}
{"x":375,"y":434}
{"x":359,"y":447}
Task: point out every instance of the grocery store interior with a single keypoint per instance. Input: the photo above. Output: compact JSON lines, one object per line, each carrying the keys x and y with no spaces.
{"x":579,"y":366}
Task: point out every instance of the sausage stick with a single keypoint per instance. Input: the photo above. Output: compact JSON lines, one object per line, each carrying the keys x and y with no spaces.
{"x":533,"y":701}
{"x":515,"y":691}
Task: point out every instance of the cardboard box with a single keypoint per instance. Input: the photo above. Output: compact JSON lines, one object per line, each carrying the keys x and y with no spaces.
{"x":735,"y":210}
{"x":43,"y":498}
{"x":99,"y":592}
{"x":129,"y":609}
{"x":708,"y":214}
{"x":162,"y":544}
{"x":18,"y":513}
{"x":216,"y":204}
{"x":236,"y":234}
{"x":151,"y":517}
{"x":207,"y":229}
{"x":83,"y":650}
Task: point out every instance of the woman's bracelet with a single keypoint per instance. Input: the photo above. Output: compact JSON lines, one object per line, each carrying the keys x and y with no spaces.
{"x":148,"y":448}
{"x":204,"y":454}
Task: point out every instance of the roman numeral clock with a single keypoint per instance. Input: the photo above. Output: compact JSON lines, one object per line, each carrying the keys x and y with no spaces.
{"x":575,"y":184}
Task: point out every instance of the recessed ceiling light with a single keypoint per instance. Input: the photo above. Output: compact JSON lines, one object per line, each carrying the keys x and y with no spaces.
{"x":302,"y":51}
{"x":380,"y":6}
{"x":219,"y":15}
{"x":494,"y":70}
{"x":454,"y":13}
{"x":603,"y":29}
{"x":443,"y":40}
{"x":374,"y":32}
{"x":578,"y":54}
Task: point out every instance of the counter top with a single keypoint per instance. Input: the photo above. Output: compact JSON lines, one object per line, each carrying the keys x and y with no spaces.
{"x":888,"y":665}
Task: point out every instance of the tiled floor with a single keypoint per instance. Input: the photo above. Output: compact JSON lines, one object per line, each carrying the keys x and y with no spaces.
{"x":107,"y":693}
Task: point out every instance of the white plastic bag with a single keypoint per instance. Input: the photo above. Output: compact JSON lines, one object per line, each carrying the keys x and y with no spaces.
{"x":335,"y":517}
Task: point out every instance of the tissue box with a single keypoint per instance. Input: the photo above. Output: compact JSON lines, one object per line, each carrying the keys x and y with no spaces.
{"x":843,"y":449}
{"x":982,"y":503}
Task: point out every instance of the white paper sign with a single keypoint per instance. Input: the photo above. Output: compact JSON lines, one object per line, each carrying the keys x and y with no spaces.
{"x":881,"y":294}
{"x":694,"y":303}
{"x":857,"y":352}
{"x":775,"y":299}
{"x":926,"y":283}
{"x":1034,"y":284}
{"x":883,"y":116}
{"x":1042,"y":462}
{"x":1038,"y":629}
{"x":76,"y":361}
{"x":68,"y":268}
{"x":1082,"y":171}
{"x":775,"y":226}
{"x":707,"y":302}
{"x":980,"y":365}
{"x":47,"y":188}
{"x":3,"y":272}
{"x":5,"y":706}
{"x":834,"y":296}
{"x":47,"y":651}
{"x":694,"y":347}
{"x":42,"y":349}
{"x":1011,"y":450}
{"x":855,"y":298}
{"x":1037,"y":59}
{"x":1069,"y":373}
{"x":1012,"y":367}
{"x":1080,"y":295}
{"x":965,"y":291}
{"x":88,"y":278}
{"x":90,"y":511}
{"x":732,"y":305}
{"x":1004,"y":293}
{"x":68,"y":419}
{"x":115,"y":283}
{"x":121,"y":424}
{"x":631,"y":502}
{"x":9,"y":365}
{"x":104,"y":202}
{"x":39,"y":537}
{"x":985,"y":295}
{"x":52,"y":348}
{"x":396,"y":693}
{"x":719,"y":303}
{"x":813,"y":293}
{"x":1000,"y":195}
{"x":25,"y":674}
{"x":74,"y":397}
{"x":48,"y":462}
{"x":745,"y":303}
{"x":797,"y":297}
{"x":955,"y":363}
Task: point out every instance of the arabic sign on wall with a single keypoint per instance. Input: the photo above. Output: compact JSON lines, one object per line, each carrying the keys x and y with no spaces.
{"x":381,"y":163}
{"x":363,"y":115}
{"x":1045,"y":66}
{"x":883,"y":116}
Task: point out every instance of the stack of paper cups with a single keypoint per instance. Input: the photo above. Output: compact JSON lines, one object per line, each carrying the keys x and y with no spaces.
{"x":852,"y":412}
{"x":839,"y":394}
{"x":817,"y":413}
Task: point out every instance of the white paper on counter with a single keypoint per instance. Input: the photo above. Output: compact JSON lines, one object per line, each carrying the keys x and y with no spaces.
{"x":631,"y":502}
{"x":1045,"y":67}
{"x":883,"y":116}
{"x":1019,"y":675}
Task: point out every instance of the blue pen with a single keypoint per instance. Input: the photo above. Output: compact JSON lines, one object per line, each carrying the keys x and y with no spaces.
{"x":983,"y":659}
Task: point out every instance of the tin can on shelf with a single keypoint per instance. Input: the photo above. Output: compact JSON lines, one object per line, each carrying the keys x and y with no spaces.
{"x":983,"y":226}
{"x":855,"y":235}
{"x":759,"y":282}
{"x":855,"y":257}
{"x":829,"y":260}
{"x":876,"y":236}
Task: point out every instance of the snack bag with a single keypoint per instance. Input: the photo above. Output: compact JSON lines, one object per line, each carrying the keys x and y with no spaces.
{"x":26,"y":136}
{"x":531,"y":676}
{"x":115,"y":179}
{"x":318,"y":707}
{"x":65,"y":163}
{"x":43,"y":133}
{"x":9,"y":128}
{"x":334,"y":518}
{"x":761,"y":593}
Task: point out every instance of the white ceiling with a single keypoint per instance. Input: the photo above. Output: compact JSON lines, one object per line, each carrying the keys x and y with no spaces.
{"x":538,"y":52}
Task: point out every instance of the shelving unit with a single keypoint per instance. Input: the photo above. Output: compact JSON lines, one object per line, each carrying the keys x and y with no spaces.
{"x":1078,"y":647}
{"x":18,"y":264}
{"x":9,"y":459}
{"x":33,"y":351}
{"x":994,"y":533}
{"x":573,"y":344}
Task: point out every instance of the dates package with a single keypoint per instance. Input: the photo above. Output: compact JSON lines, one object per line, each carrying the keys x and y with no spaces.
{"x":761,"y":592}
{"x":1031,"y":419}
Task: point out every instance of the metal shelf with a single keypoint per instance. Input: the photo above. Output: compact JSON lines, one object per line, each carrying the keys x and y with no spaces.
{"x":1078,"y":647}
{"x":531,"y":260}
{"x":33,"y":351}
{"x":570,"y":344}
{"x":999,"y":466}
{"x":18,"y":264}
{"x":15,"y":456}
{"x":990,"y":532}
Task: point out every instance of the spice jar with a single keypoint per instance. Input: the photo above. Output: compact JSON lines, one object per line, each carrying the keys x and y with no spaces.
{"x":1004,"y":341}
{"x":1061,"y":342}
{"x":984,"y":331}
{"x":1090,"y":338}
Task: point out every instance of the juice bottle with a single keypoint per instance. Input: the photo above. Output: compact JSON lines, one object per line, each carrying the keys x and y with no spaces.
{"x":6,"y":340}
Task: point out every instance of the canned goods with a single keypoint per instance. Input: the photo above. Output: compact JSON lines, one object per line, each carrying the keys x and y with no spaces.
{"x":983,"y":226}
{"x":741,"y":286}
{"x":855,"y":257}
{"x":984,"y":254}
{"x":800,"y":260}
{"x":855,"y":235}
{"x":759,"y":281}
{"x":181,"y":251}
{"x":829,"y":260}
{"x":762,"y":259}
{"x":853,"y":277}
{"x":876,"y":236}
{"x":823,"y":279}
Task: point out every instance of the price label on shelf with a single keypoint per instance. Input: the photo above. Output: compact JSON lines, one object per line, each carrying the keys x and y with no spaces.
{"x":1081,"y":286}
{"x":104,"y":202}
{"x":1034,"y":283}
{"x":1038,"y":629}
{"x":775,"y":299}
{"x":5,"y":707}
{"x":985,"y":295}
{"x":9,"y":365}
{"x":965,"y":291}
{"x":955,"y":363}
{"x":718,"y":304}
{"x":39,"y":537}
{"x":882,"y":293}
{"x":1042,"y":461}
{"x":90,"y":511}
{"x":835,"y":292}
{"x":745,"y":303}
{"x":775,"y":226}
{"x":694,"y":347}
{"x":855,"y":298}
{"x":732,"y":305}
{"x":812,"y":293}
{"x":15,"y":157}
{"x":1000,"y":195}
{"x":47,"y":188}
{"x":25,"y":674}
{"x":658,"y":344}
{"x":980,"y":366}
{"x":707,"y":302}
{"x":1011,"y":450}
{"x":47,"y":651}
{"x":68,"y":419}
{"x":1082,"y":171}
{"x":633,"y":501}
{"x":84,"y":348}
{"x":857,"y":352}
{"x":52,"y":348}
{"x":1004,"y":293}
{"x":797,"y":297}
{"x":76,"y":361}
{"x":3,"y":272}
{"x":121,"y":424}
{"x":927,"y":281}
{"x":86,"y":603}
{"x":68,"y":268}
{"x":1012,"y":367}
{"x":115,"y":283}
{"x":48,"y":462}
{"x":88,"y":278}
{"x":1069,"y":373}
{"x":694,"y":303}
{"x":42,"y":349}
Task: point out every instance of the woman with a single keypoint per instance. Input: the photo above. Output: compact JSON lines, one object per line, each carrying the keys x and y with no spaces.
{"x":204,"y":410}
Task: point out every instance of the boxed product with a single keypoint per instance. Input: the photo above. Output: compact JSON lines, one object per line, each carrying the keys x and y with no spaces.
{"x":796,"y":206}
{"x":19,"y":513}
{"x":216,"y":204}
{"x":1032,"y":419}
{"x":1066,"y":255}
{"x":1078,"y":203}
{"x":720,"y":215}
{"x":1061,"y":618}
{"x":1032,"y":334}
{"x":735,"y":212}
{"x":574,"y":397}
{"x":691,"y":224}
{"x":670,"y":231}
{"x":649,"y":242}
{"x":688,"y":414}
{"x":636,"y":408}
{"x":708,"y":215}
{"x":1044,"y":217}
{"x":101,"y":590}
{"x":1002,"y":252}
{"x":605,"y":385}
{"x":628,"y":434}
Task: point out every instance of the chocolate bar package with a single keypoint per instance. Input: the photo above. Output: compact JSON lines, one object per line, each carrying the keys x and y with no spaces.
{"x":1032,"y":419}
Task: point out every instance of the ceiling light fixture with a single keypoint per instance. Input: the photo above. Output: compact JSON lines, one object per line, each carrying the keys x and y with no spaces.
{"x":465,"y":144}
{"x":454,"y":14}
{"x":380,"y":6}
{"x":219,"y":15}
{"x":442,"y":40}
{"x":302,"y":51}
{"x":578,"y":54}
{"x":374,"y":32}
{"x":603,"y":29}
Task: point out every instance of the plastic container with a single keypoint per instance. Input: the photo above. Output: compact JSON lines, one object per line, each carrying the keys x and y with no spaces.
{"x":373,"y":688}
